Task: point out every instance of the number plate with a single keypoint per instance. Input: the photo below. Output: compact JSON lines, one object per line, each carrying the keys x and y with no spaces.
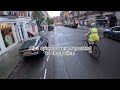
{"x":28,"y":52}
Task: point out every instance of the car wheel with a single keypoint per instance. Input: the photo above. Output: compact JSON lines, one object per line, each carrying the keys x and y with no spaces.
{"x":43,"y":53}
{"x":24,"y":58}
{"x":106,"y":35}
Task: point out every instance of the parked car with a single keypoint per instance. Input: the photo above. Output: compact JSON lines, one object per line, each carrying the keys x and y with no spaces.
{"x":73,"y":26}
{"x":50,"y":28}
{"x":68,"y":25}
{"x":113,"y":32}
{"x":37,"y":42}
{"x":65,"y":25}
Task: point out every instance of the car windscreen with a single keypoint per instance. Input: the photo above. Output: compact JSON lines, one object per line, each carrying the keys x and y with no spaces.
{"x":28,"y":43}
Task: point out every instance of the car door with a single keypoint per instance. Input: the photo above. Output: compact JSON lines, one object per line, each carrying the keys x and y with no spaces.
{"x":111,"y":33}
{"x":116,"y":33}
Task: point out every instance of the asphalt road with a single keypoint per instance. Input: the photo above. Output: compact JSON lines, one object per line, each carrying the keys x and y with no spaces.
{"x":79,"y":66}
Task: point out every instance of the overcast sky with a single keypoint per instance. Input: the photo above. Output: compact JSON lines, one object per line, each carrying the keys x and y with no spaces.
{"x":54,"y":13}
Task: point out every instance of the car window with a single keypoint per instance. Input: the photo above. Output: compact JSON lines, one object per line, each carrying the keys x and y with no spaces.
{"x":38,"y":42}
{"x":41,"y":38}
{"x":116,"y":29}
{"x":29,"y":43}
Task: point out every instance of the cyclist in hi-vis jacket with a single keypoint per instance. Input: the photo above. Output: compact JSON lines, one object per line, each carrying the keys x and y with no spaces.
{"x":92,"y":34}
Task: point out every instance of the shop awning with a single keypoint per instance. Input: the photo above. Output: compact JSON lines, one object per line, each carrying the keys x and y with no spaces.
{"x":5,"y":25}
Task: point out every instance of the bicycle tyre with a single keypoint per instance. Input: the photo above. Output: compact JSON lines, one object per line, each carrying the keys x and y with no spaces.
{"x":85,"y":43}
{"x":96,"y":51}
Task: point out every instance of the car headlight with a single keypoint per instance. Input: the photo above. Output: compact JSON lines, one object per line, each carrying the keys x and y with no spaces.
{"x":37,"y":48}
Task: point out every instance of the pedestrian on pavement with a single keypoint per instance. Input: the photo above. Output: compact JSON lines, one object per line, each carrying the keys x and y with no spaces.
{"x":30,"y":34}
{"x":92,"y":34}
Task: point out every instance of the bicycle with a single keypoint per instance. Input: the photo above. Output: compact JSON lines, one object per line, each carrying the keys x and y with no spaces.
{"x":95,"y":48}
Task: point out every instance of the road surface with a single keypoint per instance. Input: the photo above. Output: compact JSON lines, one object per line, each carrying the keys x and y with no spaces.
{"x":79,"y":66}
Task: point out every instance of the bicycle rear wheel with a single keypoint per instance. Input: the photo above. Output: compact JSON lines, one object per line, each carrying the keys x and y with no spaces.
{"x":96,"y":51}
{"x":85,"y":43}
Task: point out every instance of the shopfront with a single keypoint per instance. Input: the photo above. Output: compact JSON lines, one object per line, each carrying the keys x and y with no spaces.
{"x":2,"y":46}
{"x":6,"y":36}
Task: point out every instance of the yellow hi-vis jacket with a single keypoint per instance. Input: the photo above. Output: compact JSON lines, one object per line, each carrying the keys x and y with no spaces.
{"x":93,"y":35}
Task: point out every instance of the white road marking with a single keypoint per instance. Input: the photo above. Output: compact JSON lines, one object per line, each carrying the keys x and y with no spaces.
{"x":45,"y":73}
{"x":65,"y":34}
{"x":66,"y":43}
{"x":47,"y":58}
{"x":43,"y":66}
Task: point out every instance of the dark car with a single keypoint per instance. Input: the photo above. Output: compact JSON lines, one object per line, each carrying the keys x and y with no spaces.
{"x":113,"y":32}
{"x":35,"y":42}
{"x":73,"y":26}
{"x":68,"y":25}
{"x":65,"y":25}
{"x":50,"y":28}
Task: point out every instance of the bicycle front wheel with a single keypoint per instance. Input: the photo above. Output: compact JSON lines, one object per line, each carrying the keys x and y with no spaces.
{"x":96,"y":51}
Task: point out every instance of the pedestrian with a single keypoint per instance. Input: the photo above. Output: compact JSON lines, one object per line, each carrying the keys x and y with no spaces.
{"x":30,"y":34}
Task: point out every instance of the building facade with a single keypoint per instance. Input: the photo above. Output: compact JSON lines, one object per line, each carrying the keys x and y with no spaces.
{"x":102,"y":18}
{"x":57,"y":20}
{"x":26,"y":24}
{"x":117,"y":14}
{"x":14,"y":26}
{"x":44,"y":24}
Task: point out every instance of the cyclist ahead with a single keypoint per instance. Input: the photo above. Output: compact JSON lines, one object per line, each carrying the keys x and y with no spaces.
{"x":92,"y":34}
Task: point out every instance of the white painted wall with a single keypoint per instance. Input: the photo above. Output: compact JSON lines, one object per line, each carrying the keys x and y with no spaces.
{"x":18,"y":21}
{"x":2,"y":45}
{"x":14,"y":33}
{"x":117,"y":14}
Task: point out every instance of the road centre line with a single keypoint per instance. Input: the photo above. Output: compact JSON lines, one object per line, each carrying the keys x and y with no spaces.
{"x":48,"y":58}
{"x":45,"y":73}
{"x":43,"y":66}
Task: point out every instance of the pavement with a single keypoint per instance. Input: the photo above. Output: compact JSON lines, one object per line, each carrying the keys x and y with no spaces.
{"x":8,"y":61}
{"x":79,"y":66}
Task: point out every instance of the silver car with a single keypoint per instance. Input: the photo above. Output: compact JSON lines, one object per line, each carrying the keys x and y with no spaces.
{"x":36,"y":42}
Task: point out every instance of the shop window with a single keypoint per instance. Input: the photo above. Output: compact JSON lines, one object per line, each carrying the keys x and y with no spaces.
{"x":7,"y":35}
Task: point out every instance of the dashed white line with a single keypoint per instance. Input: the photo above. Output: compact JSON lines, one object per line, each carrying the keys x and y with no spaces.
{"x":45,"y":73}
{"x":47,"y":58}
{"x":43,"y":65}
{"x":65,"y":43}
